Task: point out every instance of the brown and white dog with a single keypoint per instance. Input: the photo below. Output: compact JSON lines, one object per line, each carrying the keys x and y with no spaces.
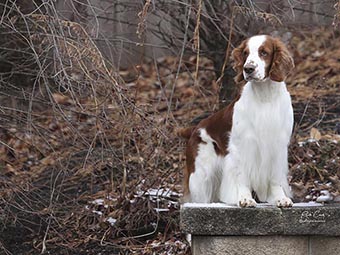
{"x":243,"y":148}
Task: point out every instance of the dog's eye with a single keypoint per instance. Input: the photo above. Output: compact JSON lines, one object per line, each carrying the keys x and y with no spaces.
{"x":263,"y":53}
{"x":245,"y":53}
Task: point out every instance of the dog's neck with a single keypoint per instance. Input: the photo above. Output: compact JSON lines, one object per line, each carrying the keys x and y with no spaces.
{"x":266,"y":90}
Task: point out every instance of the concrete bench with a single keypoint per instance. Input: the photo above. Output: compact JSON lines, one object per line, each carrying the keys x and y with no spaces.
{"x":306,"y":228}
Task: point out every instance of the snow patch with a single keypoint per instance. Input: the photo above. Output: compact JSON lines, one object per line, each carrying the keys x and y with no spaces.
{"x":211,"y":205}
{"x":111,"y":220}
{"x":259,"y":205}
{"x":167,"y":193}
{"x":98,"y":201}
{"x":161,"y":209}
{"x":325,"y":196}
{"x":308,"y":204}
{"x":97,"y":212}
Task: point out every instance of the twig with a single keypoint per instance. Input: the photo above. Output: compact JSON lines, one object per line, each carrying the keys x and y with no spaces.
{"x":227,"y":52}
{"x":197,"y":40}
{"x":180,"y":61}
{"x":43,"y":249}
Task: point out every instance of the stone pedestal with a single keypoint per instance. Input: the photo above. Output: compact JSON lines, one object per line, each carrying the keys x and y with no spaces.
{"x":306,"y":228}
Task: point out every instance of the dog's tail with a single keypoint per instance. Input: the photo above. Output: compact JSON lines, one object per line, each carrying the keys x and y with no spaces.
{"x":185,"y":132}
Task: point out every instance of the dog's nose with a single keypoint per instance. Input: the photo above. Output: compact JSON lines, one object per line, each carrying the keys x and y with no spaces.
{"x":249,"y":68}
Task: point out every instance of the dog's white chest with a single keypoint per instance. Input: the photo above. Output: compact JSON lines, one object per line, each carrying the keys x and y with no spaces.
{"x":262,"y":125}
{"x":263,"y":114}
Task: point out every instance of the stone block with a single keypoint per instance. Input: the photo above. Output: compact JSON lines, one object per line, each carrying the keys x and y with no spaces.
{"x":219,"y":219}
{"x":254,"y":245}
{"x":324,"y":245}
{"x":231,"y":220}
{"x":321,"y":220}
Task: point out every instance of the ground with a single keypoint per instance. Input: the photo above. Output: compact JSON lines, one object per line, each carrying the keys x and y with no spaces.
{"x":89,"y":177}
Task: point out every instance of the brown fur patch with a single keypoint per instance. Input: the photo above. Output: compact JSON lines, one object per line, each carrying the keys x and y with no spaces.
{"x":218,"y":126}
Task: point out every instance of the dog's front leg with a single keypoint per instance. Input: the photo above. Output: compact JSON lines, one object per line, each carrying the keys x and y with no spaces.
{"x":245,"y":198}
{"x":278,"y":192}
{"x":277,"y":196}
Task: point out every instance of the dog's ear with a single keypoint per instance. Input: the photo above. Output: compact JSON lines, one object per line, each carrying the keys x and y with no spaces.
{"x":239,"y":55}
{"x":282,"y":62}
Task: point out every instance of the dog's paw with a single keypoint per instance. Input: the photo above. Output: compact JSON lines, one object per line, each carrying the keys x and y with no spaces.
{"x":284,"y":202}
{"x":247,"y":202}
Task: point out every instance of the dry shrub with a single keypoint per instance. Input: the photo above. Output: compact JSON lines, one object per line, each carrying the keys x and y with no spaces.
{"x":72,"y":131}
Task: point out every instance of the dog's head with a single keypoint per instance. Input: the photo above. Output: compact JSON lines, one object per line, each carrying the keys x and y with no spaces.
{"x":261,"y":57}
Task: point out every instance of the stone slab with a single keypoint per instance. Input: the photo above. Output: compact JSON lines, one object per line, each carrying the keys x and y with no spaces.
{"x":324,"y":245}
{"x":219,"y":219}
{"x":230,"y":220}
{"x":323,"y":220}
{"x":254,"y":245}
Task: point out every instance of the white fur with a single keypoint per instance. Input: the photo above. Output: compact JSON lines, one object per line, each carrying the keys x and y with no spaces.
{"x":204,"y":183}
{"x":257,"y":151}
{"x":257,"y":159}
{"x":254,"y":59}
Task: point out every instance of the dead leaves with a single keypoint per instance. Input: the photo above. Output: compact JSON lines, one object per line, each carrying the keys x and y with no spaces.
{"x":317,"y":58}
{"x":315,"y":134}
{"x":61,"y":99}
{"x":158,"y":85}
{"x":314,"y":86}
{"x":315,"y":167}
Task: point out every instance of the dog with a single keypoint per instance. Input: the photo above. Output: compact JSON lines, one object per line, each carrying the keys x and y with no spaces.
{"x":243,"y":148}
